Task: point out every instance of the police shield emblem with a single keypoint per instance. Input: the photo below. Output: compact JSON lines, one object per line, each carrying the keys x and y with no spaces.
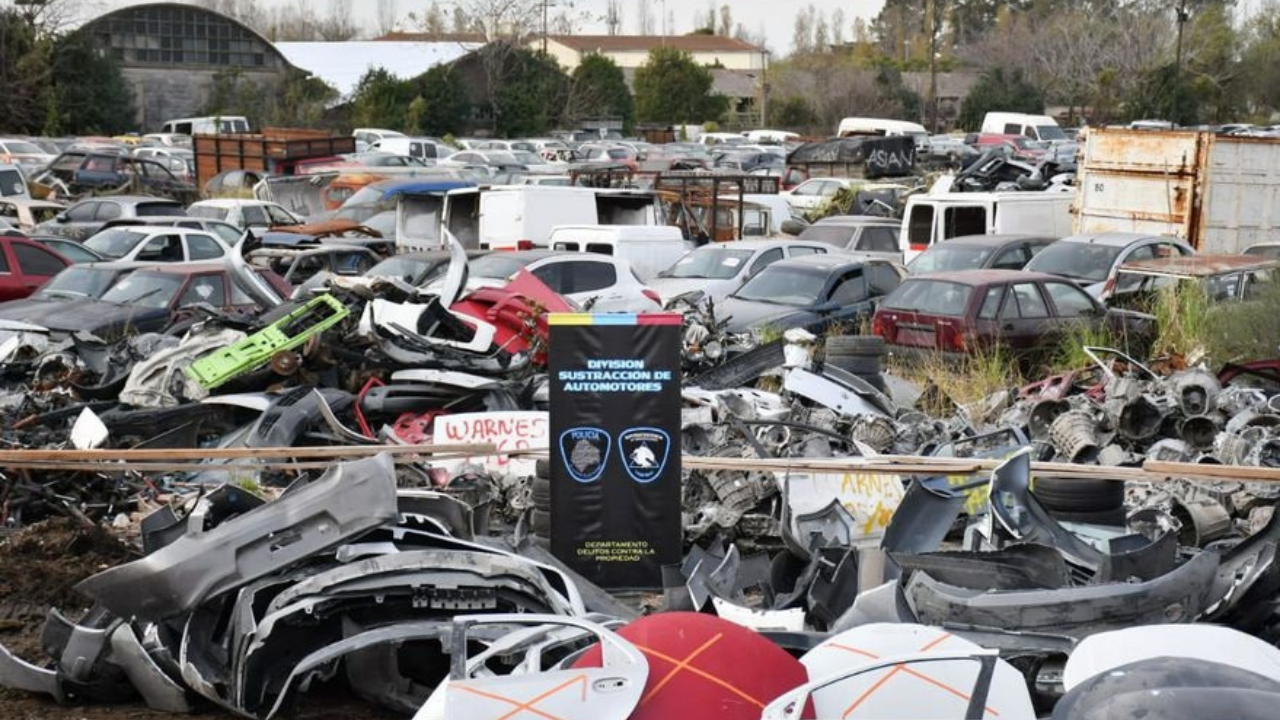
{"x":585,"y":452}
{"x":644,"y":453}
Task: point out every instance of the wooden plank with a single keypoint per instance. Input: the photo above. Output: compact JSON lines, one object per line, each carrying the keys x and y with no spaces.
{"x":8,"y":457}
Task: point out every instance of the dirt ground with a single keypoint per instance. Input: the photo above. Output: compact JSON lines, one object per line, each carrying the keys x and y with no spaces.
{"x":39,"y":566}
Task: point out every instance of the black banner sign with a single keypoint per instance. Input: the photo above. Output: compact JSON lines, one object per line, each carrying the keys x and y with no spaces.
{"x":889,"y":156}
{"x":615,"y":446}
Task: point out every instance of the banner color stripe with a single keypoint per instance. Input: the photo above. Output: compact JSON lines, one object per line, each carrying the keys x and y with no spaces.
{"x":614,"y":319}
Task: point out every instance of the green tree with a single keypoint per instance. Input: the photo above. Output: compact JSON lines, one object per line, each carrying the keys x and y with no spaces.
{"x":530,"y":98}
{"x":381,"y":100}
{"x":671,"y":88}
{"x":791,"y":112}
{"x":445,"y":101}
{"x":999,"y":91}
{"x":24,"y":74}
{"x":598,"y":88}
{"x":302,"y":102}
{"x":235,"y":94}
{"x":1164,"y":93}
{"x":89,"y":90}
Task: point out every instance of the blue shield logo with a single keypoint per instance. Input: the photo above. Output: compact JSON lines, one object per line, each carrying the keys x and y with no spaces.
{"x":644,"y":453}
{"x":585,"y":452}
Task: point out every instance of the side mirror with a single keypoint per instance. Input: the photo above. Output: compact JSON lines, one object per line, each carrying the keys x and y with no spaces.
{"x":827,"y":307}
{"x":61,"y":217}
{"x":792,"y":227}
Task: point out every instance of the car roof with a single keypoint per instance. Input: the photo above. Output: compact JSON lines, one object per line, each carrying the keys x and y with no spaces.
{"x":988,"y":277}
{"x":851,"y":220}
{"x":156,"y":229}
{"x":1117,"y":239}
{"x":532,"y":255}
{"x":182,"y":268}
{"x":115,"y":265}
{"x":831,"y":261}
{"x":991,"y":240}
{"x":763,"y":244}
{"x":130,"y":199}
{"x":231,"y":202}
{"x":1200,"y":265}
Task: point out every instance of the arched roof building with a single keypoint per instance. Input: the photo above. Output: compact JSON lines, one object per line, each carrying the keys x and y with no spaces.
{"x":172,"y":54}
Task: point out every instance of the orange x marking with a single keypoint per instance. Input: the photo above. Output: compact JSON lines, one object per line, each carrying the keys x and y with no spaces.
{"x":685,"y":666}
{"x":903,"y":669}
{"x":529,"y":706}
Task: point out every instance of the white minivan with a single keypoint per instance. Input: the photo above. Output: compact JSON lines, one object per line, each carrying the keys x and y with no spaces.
{"x":930,"y":219}
{"x":420,"y":148}
{"x":649,"y":248}
{"x":880,"y":127}
{"x":210,"y":125}
{"x":1033,"y":127}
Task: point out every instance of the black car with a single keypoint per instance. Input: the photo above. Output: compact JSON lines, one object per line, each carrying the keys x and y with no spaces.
{"x":814,"y":293}
{"x":74,"y":284}
{"x":979,"y":252}
{"x":149,"y":299}
{"x":417,"y":268}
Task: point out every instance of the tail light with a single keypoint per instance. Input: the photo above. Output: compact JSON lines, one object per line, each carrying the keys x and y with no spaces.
{"x":652,"y":295}
{"x":524,"y":244}
{"x":882,"y":327}
{"x":1108,"y":288}
{"x":949,"y":338}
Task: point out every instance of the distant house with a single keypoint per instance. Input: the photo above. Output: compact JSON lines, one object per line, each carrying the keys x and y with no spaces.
{"x":632,"y":51}
{"x":739,"y":68}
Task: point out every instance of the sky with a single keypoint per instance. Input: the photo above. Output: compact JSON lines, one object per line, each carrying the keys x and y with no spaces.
{"x":774,"y":18}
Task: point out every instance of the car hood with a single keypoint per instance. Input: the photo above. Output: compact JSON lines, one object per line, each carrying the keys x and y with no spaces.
{"x":745,"y":315}
{"x":93,"y":316}
{"x":669,"y":288}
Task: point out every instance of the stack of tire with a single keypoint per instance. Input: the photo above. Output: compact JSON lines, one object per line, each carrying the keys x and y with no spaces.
{"x":1096,"y":502}
{"x":540,"y":501}
{"x":861,"y":355}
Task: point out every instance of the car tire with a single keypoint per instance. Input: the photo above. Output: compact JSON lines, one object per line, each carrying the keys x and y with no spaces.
{"x":856,"y":345}
{"x":1079,"y":496}
{"x":856,"y":364}
{"x":540,"y":523}
{"x":540,"y":493}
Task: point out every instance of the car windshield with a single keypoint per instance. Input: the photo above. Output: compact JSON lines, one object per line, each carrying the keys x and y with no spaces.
{"x":145,"y":289}
{"x":23,"y":148}
{"x":497,"y":266}
{"x":711,"y":263}
{"x":160,"y":209}
{"x":836,"y":235}
{"x":356,"y":213}
{"x":783,"y":286}
{"x":367,"y":195}
{"x":1051,"y":132}
{"x":944,"y":257}
{"x":1085,"y":262}
{"x":208,"y":212}
{"x":399,"y":266}
{"x":78,"y":282}
{"x":115,"y":242}
{"x":931,"y":297}
{"x":528,"y":158}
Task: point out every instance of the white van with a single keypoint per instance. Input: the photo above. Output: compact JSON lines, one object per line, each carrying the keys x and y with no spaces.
{"x":420,"y":148}
{"x":522,"y":217}
{"x":209,"y":125}
{"x":880,"y":127}
{"x":1034,"y":127}
{"x":930,"y":219}
{"x":649,"y":248}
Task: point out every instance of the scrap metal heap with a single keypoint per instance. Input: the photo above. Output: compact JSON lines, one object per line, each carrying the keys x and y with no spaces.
{"x":393,"y":573}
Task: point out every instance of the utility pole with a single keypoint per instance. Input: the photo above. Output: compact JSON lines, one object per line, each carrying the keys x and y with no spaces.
{"x":1183,"y":16}
{"x":545,"y":3}
{"x":933,"y":63}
